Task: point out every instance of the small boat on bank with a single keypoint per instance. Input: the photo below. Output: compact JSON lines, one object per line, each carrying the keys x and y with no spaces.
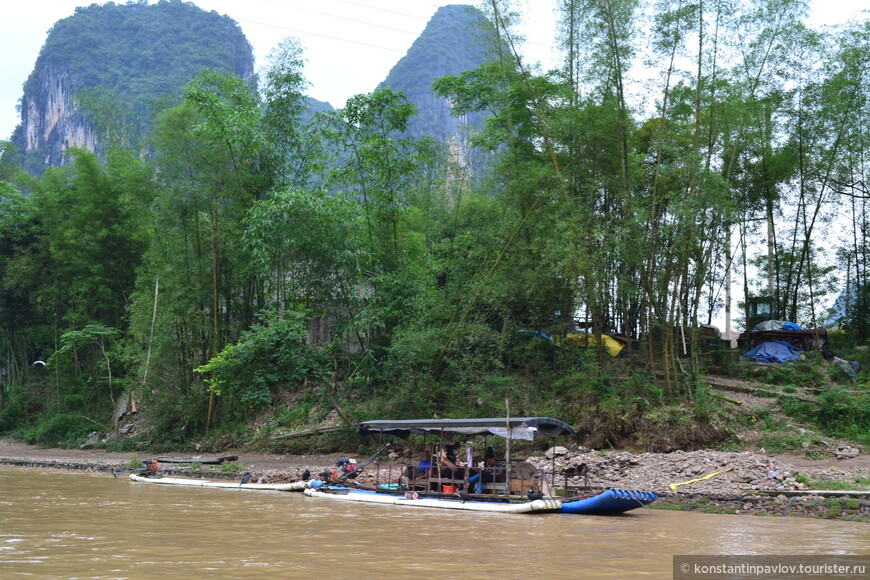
{"x":608,"y":502}
{"x":191,"y":482}
{"x":437,"y":482}
{"x":501,"y":486}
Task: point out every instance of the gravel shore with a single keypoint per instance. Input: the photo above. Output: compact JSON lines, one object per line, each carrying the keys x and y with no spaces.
{"x":697,"y":472}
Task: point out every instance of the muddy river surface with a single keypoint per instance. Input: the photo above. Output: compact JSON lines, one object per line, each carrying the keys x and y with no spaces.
{"x":56,"y":524}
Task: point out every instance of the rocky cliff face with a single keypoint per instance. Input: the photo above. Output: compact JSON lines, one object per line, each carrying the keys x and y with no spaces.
{"x":137,"y":54}
{"x":49,"y":123}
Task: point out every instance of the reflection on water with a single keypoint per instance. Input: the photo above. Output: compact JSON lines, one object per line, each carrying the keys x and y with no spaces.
{"x":56,"y":524}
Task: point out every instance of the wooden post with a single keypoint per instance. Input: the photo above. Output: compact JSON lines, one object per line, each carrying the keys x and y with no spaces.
{"x":554,"y":468}
{"x":483,"y":463}
{"x":378,"y":462}
{"x":507,"y":456}
{"x":439,"y":485}
{"x":469,"y":461}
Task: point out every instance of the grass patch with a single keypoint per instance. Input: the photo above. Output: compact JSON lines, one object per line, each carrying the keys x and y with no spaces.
{"x":855,"y":484}
{"x":781,"y":443}
{"x":670,"y":506}
{"x":733,"y":445}
{"x":836,"y":413}
{"x":817,"y":454}
{"x":700,"y":504}
{"x":842,"y":507}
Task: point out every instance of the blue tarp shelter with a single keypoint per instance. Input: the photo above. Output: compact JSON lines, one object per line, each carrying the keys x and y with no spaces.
{"x":774,"y":352}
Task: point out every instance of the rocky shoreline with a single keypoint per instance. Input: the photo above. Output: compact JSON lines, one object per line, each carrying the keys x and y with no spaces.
{"x":695,"y":472}
{"x":720,"y":482}
{"x":704,"y":480}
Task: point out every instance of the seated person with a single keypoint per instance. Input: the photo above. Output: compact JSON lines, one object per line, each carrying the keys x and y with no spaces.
{"x":411,"y":474}
{"x":449,"y":467}
{"x":492,"y":471}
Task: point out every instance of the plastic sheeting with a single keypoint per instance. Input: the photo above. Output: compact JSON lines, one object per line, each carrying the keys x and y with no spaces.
{"x":777,"y":325}
{"x":611,"y":345}
{"x":774,"y":352}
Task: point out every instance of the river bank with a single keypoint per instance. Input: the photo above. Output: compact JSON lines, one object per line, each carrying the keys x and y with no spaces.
{"x":706,"y":481}
{"x":723,"y":482}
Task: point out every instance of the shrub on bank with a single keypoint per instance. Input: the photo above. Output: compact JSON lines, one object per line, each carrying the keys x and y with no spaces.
{"x":63,"y":430}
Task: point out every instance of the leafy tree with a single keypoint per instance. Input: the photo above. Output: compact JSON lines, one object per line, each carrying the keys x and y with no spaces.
{"x":375,"y":166}
{"x":209,"y":152}
{"x":26,"y":328}
{"x":307,"y":249}
{"x":75,"y":343}
{"x":285,"y":106}
{"x":220,"y":152}
{"x":266,"y":360}
{"x":93,"y":220}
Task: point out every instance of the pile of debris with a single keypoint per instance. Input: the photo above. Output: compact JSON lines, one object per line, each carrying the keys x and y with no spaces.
{"x":695,"y":472}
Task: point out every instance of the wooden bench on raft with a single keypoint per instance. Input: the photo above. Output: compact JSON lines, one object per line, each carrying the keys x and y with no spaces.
{"x":524,"y":477}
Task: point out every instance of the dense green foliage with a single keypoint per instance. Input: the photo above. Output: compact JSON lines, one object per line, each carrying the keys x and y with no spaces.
{"x":266,"y":267}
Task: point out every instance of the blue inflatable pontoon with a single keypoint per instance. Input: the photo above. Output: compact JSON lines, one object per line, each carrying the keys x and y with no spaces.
{"x":608,"y":502}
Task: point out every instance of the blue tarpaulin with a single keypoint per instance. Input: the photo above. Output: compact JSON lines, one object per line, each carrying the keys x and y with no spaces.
{"x":534,"y":333}
{"x":775,"y":351}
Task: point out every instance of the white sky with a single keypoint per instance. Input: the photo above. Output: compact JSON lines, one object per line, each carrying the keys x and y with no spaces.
{"x":349,"y":45}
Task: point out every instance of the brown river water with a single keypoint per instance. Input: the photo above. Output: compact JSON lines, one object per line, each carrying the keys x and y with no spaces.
{"x":57,"y":524}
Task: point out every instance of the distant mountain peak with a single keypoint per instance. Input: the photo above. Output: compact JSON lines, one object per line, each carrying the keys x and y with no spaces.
{"x":138,"y":53}
{"x":454,"y":41}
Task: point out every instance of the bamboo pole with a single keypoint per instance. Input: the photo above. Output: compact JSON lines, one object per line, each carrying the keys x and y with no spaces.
{"x":150,"y":343}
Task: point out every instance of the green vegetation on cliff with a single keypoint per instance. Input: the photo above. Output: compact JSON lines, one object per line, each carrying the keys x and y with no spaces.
{"x":143,"y":50}
{"x":458,"y":38}
{"x":116,"y":65}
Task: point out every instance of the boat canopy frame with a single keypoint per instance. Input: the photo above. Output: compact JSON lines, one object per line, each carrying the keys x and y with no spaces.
{"x":524,"y":428}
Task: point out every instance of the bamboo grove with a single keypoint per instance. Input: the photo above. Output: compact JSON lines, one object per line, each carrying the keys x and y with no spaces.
{"x":245,"y":257}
